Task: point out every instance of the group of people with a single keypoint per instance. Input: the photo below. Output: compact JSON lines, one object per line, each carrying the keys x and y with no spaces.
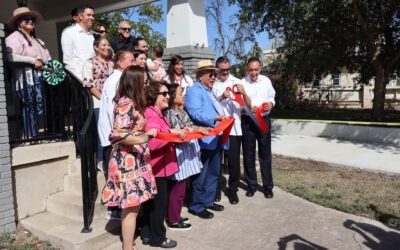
{"x":136,"y":100}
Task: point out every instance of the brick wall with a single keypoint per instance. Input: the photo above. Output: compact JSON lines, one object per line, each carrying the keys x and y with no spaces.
{"x":7,"y":216}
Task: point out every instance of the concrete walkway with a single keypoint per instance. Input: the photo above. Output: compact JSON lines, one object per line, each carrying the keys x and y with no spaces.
{"x":289,"y":222}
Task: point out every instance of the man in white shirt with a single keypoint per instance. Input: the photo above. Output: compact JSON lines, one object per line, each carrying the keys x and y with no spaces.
{"x":231,"y":108}
{"x":260,"y":90}
{"x":122,"y":59}
{"x":77,"y":41}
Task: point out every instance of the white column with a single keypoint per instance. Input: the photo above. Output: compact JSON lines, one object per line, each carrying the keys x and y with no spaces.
{"x":186,"y":24}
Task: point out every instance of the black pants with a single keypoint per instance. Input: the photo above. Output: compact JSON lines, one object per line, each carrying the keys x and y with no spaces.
{"x":251,"y":134}
{"x":106,"y":159}
{"x":154,"y":213}
{"x":233,"y":155}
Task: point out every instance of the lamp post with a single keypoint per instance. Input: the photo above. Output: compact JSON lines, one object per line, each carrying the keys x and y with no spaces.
{"x":22,"y":3}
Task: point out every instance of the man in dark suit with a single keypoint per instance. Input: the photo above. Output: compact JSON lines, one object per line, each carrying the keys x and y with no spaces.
{"x":205,"y":110}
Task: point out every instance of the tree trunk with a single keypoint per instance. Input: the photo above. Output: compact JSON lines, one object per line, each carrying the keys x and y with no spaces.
{"x":378,"y":103}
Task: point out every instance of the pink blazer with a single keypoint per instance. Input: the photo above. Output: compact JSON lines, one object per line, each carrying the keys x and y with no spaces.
{"x":163,"y":156}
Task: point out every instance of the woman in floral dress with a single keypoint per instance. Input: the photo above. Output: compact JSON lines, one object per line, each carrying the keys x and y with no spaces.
{"x":130,"y":178}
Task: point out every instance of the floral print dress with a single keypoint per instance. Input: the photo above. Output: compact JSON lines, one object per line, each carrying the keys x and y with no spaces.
{"x":130,"y":178}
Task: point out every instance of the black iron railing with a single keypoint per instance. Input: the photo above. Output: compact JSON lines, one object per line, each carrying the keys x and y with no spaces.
{"x":36,"y":112}
{"x":84,"y":121}
{"x":54,"y":113}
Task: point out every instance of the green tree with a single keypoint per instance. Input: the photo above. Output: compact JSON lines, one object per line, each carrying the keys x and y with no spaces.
{"x":323,"y":36}
{"x":141,"y":18}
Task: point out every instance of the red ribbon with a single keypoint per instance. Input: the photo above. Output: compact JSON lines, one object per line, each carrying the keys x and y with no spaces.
{"x":260,"y":118}
{"x":238,"y":97}
{"x":224,"y":126}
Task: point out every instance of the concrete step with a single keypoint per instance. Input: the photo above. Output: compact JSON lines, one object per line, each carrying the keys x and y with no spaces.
{"x":75,"y":167}
{"x":66,"y":233}
{"x":69,"y":204}
{"x":73,"y":183}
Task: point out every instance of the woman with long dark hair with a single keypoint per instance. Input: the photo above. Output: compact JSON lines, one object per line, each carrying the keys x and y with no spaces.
{"x":176,"y":73}
{"x":130,"y":177}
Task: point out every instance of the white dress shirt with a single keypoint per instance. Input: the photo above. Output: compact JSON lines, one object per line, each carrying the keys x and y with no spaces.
{"x":77,"y":47}
{"x":231,"y":108}
{"x":106,"y":115}
{"x":259,"y":91}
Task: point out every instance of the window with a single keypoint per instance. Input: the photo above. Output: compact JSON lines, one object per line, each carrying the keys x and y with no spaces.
{"x":316,"y":82}
{"x":335,"y":79}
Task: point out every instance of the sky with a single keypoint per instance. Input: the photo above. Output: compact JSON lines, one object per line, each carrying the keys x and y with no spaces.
{"x":262,"y":38}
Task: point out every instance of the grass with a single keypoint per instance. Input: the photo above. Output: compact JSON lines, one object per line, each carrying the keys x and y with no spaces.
{"x":362,"y":193}
{"x":22,"y":239}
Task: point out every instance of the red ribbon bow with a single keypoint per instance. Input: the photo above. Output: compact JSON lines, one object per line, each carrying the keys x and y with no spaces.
{"x":224,"y":126}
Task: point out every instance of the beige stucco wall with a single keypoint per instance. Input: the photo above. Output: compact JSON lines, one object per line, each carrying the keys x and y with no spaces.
{"x":38,"y":171}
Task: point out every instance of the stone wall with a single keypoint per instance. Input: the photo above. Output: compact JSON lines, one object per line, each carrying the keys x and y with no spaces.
{"x":191,"y":55}
{"x":7,"y":214}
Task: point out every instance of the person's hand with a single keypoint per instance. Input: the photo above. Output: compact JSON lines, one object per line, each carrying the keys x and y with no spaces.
{"x":38,"y":64}
{"x":204,"y":130}
{"x":219,"y":118}
{"x":254,"y":109}
{"x":225,"y":94}
{"x":268,"y":107}
{"x":179,"y":132}
{"x":189,"y":129}
{"x":240,"y":89}
{"x":152,"y":133}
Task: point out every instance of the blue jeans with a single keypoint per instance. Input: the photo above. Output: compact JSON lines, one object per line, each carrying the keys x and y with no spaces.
{"x":32,"y":106}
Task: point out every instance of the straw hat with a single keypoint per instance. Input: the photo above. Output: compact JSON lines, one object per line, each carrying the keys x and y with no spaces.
{"x":20,"y":12}
{"x":204,"y":65}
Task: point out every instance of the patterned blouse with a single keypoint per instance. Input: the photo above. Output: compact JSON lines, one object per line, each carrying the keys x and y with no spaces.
{"x":188,"y":153}
{"x":95,"y":73}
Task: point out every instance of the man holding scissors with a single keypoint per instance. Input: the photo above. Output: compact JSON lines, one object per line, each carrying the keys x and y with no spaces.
{"x":262,"y":95}
{"x":226,"y":85}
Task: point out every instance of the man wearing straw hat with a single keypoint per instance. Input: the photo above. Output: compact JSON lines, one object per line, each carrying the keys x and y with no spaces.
{"x":205,"y":110}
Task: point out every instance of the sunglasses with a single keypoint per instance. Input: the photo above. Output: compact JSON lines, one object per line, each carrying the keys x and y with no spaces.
{"x":101,"y":31}
{"x":29,"y":19}
{"x":212,"y":74}
{"x":224,"y":70}
{"x":164,"y":93}
{"x":125,"y":29}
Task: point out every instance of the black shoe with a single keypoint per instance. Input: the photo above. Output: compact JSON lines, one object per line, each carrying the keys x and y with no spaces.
{"x":216,"y":207}
{"x":203,"y":214}
{"x":250,"y":193}
{"x":217,"y":197}
{"x":185,"y":219}
{"x":145,"y":241}
{"x":233,"y":198}
{"x":268,"y":194}
{"x":181,"y":226}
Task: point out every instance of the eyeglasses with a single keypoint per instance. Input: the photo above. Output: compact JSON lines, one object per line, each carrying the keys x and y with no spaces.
{"x":224,"y":70}
{"x":101,"y":31}
{"x":212,"y":74}
{"x":125,"y":29}
{"x":164,"y":93}
{"x":29,"y":19}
